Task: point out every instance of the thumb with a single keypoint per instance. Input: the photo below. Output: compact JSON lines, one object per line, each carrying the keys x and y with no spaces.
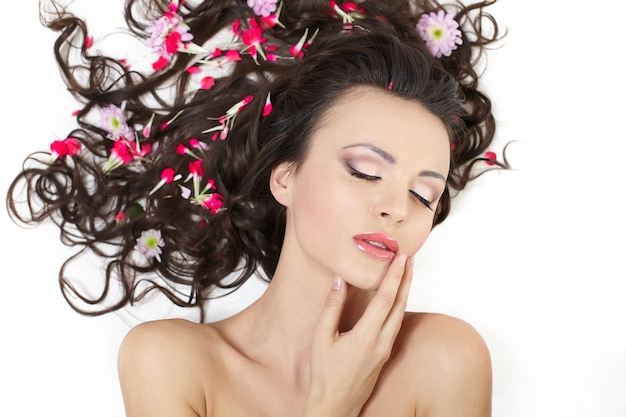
{"x":328,"y":323}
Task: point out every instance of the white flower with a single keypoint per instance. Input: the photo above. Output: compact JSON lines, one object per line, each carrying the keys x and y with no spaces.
{"x":150,"y":244}
{"x":440,"y":32}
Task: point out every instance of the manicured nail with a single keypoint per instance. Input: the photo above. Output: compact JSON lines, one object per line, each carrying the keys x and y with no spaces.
{"x":337,"y":283}
{"x":402,"y":260}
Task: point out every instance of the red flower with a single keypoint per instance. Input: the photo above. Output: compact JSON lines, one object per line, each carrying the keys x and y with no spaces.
{"x":296,"y":50}
{"x":235,"y":28}
{"x":352,"y":7}
{"x":232,"y":55}
{"x":160,"y":63}
{"x":173,"y":42}
{"x":120,"y":217}
{"x":181,"y":149}
{"x":61,"y":148}
{"x":207,"y":83}
{"x":195,"y":168}
{"x":213,"y":203}
{"x":267,"y":109}
{"x":491,"y":157}
{"x":253,"y":39}
{"x":121,"y":151}
{"x":167,"y":175}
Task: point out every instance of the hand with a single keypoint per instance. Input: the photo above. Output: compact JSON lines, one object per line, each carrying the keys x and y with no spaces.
{"x":346,"y":366}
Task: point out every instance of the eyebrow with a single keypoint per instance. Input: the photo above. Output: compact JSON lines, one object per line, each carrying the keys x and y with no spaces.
{"x":392,"y":160}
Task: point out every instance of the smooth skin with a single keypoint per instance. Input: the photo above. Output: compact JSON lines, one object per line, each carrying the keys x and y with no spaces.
{"x":315,"y":344}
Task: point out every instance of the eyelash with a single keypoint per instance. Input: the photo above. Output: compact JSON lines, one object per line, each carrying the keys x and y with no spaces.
{"x":362,"y":176}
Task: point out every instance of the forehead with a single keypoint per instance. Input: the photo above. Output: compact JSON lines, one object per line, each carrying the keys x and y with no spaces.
{"x":402,"y":127}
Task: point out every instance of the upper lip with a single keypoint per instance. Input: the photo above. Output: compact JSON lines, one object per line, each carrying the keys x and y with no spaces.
{"x":379,"y":237}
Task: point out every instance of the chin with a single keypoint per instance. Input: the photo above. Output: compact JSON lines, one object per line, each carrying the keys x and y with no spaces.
{"x":369,"y":281}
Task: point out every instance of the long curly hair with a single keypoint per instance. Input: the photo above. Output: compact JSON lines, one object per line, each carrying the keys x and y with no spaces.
{"x":105,"y":211}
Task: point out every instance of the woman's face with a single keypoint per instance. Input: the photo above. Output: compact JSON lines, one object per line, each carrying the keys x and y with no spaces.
{"x":367,"y":189}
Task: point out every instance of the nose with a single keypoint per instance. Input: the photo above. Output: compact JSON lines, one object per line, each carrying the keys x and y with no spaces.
{"x":391,"y":206}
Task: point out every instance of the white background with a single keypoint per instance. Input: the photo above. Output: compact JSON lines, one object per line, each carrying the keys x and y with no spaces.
{"x":533,"y":258}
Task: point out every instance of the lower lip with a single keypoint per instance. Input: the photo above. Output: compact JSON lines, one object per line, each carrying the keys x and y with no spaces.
{"x":374,"y":251}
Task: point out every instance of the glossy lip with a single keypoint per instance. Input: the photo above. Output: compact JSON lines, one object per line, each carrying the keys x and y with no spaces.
{"x":363,"y":240}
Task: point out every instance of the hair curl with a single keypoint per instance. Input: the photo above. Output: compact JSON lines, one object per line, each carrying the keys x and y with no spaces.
{"x":205,"y":251}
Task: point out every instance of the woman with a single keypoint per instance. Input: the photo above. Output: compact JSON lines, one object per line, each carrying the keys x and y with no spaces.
{"x":340,"y":136}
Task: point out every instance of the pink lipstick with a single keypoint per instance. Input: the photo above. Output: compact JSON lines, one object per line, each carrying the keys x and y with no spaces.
{"x":377,"y":245}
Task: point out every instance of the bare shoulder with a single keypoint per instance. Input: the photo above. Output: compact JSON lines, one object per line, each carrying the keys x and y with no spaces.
{"x":164,"y":369}
{"x":451,"y":364}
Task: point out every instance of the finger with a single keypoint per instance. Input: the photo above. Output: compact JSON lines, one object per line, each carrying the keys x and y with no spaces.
{"x":381,"y":304}
{"x":327,"y":327}
{"x":396,"y":315}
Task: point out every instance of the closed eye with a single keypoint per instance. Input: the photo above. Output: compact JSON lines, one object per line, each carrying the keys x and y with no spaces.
{"x":422,"y":200}
{"x":362,"y":176}
{"x":366,"y":177}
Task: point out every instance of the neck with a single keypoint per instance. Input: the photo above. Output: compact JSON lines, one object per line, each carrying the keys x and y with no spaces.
{"x":279,"y":326}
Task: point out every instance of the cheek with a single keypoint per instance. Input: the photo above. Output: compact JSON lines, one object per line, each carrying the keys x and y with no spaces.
{"x":418,"y":235}
{"x":320,"y":203}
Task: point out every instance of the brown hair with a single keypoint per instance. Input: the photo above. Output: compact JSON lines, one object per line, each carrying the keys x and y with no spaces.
{"x":203,"y":251}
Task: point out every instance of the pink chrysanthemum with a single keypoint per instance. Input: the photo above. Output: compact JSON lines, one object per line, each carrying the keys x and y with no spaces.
{"x":263,"y":7}
{"x":440,"y":32}
{"x":113,"y":120}
{"x":150,"y":243}
{"x":168,"y":35}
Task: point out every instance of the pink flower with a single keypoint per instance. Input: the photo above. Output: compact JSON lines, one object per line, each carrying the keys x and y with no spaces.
{"x":491,"y":158}
{"x":196,"y":171}
{"x":195,"y":168}
{"x":232,"y":55}
{"x":123,"y":152}
{"x":226,"y":121}
{"x":236,"y":28}
{"x":113,"y":120}
{"x":212,"y":202}
{"x":207,"y":83}
{"x":147,"y":129}
{"x":120,"y":217}
{"x":196,"y":144}
{"x":440,"y":32}
{"x":173,"y":42}
{"x":88,"y":42}
{"x":150,"y":243}
{"x":270,"y":21}
{"x":181,"y":149}
{"x":352,"y":7}
{"x":267,"y":109}
{"x":168,"y":175}
{"x":160,"y":63}
{"x":253,"y":39}
{"x":262,"y":7}
{"x":296,"y":50}
{"x":124,"y":62}
{"x":345,"y":12}
{"x":66,"y":147}
{"x":168,"y":34}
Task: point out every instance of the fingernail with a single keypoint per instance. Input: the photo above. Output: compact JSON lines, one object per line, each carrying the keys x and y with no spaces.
{"x":402,"y":260}
{"x":337,"y":283}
